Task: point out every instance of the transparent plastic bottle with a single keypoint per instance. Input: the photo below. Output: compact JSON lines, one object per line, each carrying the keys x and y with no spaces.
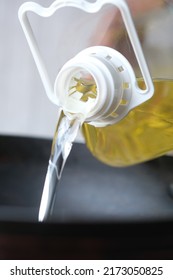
{"x":147,"y":131}
{"x":127,"y":128}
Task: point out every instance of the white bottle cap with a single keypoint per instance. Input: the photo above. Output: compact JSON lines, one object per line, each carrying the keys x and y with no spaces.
{"x":116,"y":88}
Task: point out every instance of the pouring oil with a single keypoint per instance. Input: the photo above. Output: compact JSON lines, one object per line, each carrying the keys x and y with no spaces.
{"x":145,"y":133}
{"x":64,"y":136}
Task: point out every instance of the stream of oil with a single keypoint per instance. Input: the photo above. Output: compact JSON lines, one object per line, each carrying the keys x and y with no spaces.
{"x":65,"y":133}
{"x":64,"y":136}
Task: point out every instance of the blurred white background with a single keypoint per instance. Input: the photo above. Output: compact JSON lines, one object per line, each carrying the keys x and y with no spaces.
{"x":24,"y":107}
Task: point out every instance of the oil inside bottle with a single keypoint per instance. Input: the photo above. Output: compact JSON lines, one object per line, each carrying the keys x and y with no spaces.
{"x":145,"y":133}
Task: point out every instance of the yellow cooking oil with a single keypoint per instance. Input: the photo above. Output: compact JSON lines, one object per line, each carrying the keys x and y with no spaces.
{"x":144,"y":134}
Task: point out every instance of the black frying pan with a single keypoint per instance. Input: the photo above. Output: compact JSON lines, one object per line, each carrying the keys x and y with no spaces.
{"x":100,"y":212}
